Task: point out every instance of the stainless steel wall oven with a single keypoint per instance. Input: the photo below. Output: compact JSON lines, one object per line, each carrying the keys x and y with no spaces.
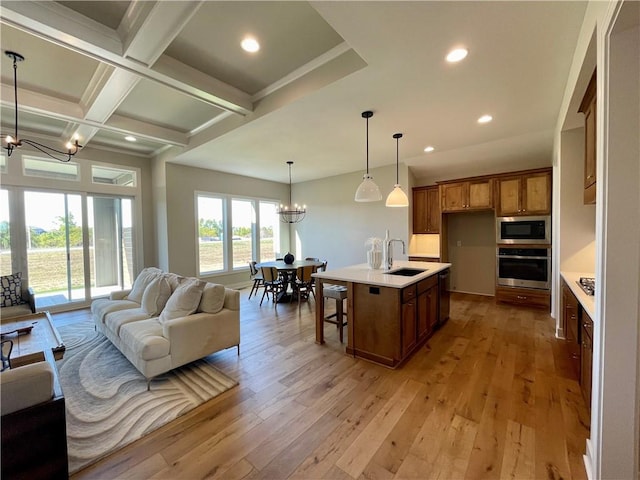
{"x":523,"y":267}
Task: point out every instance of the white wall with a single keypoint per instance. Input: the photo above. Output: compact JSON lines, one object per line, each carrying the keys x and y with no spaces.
{"x":577,"y":221}
{"x":336,"y":227}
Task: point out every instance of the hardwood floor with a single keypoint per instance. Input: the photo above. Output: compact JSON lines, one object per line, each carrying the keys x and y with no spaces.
{"x":489,"y":396}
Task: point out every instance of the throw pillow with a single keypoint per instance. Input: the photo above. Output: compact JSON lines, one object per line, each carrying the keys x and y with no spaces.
{"x":212,"y":299}
{"x":184,"y":300}
{"x":11,"y":289}
{"x":155,"y":296}
{"x":141,"y":283}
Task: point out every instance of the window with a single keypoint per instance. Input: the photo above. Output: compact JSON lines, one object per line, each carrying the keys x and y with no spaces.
{"x":5,"y":234}
{"x":234,"y":231}
{"x":111,"y":243}
{"x":38,"y":167}
{"x":113,"y":176}
{"x":210,"y":234}
{"x":243,"y":217}
{"x":269,"y":231}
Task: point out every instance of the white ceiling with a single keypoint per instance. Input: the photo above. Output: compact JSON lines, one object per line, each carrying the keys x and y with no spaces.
{"x":173,"y":74}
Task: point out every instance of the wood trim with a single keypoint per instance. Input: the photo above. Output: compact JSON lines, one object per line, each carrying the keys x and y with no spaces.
{"x":589,"y":93}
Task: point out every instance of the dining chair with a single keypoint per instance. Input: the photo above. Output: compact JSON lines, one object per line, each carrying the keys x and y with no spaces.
{"x":7,"y":346}
{"x":272,"y":283}
{"x":256,"y":276}
{"x":303,"y":282}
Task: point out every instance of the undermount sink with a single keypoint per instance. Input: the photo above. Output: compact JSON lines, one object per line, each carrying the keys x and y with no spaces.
{"x":406,"y":272}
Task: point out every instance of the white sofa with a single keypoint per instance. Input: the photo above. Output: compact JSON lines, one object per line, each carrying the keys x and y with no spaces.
{"x":165,"y":321}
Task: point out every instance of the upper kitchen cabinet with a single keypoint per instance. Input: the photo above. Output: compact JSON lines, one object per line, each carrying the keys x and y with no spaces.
{"x":528,"y":193}
{"x":476,"y":194}
{"x":588,"y":107}
{"x":426,"y":210}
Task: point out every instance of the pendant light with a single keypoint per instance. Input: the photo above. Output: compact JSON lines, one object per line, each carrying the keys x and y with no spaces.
{"x":292,"y":213}
{"x":14,"y":141}
{"x":368,"y":191}
{"x":397,"y":197}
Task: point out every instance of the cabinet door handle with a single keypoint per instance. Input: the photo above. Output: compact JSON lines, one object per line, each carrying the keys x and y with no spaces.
{"x":589,"y":176}
{"x":521,"y":297}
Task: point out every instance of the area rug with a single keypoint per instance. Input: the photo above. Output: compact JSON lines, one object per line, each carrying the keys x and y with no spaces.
{"x":108,"y":405}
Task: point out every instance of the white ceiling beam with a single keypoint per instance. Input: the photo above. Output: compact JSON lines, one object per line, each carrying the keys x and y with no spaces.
{"x":52,"y":107}
{"x":47,"y":20}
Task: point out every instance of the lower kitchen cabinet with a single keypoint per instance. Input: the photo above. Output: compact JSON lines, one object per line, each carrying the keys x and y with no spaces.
{"x":571,"y":321}
{"x":578,"y":328}
{"x":530,"y":297}
{"x":409,"y":320}
{"x":427,"y":307}
{"x":586,"y":358}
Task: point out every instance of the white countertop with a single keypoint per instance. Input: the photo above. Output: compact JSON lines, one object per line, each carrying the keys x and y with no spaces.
{"x":363,"y":274}
{"x":587,"y":301}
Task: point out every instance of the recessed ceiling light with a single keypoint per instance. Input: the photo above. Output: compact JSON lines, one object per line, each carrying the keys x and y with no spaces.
{"x":130,"y":138}
{"x":429,"y":149}
{"x":456,"y":55}
{"x":250,"y":44}
{"x":485,"y":119}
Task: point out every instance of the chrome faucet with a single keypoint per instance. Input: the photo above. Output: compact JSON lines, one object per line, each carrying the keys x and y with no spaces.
{"x":387,"y":253}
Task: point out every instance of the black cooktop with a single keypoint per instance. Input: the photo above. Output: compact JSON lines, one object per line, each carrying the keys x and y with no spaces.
{"x":588,"y":285}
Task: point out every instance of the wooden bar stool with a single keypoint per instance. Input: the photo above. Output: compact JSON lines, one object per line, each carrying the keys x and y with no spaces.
{"x":338,"y":293}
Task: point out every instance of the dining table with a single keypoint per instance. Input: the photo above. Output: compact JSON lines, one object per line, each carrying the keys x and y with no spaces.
{"x":288,"y":271}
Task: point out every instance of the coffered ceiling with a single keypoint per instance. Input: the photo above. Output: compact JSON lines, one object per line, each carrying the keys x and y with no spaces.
{"x":173,"y":75}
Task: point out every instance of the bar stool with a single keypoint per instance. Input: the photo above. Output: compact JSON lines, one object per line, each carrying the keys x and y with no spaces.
{"x":338,"y":293}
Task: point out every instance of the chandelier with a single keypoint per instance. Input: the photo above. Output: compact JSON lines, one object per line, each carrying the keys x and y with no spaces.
{"x":292,"y":213}
{"x":15,"y":141}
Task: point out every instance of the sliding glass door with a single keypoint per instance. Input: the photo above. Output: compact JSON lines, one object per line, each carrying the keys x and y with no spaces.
{"x":111,"y":244}
{"x":55,"y":247}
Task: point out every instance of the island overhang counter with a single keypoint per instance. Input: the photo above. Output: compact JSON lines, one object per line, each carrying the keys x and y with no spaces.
{"x":388,"y":315}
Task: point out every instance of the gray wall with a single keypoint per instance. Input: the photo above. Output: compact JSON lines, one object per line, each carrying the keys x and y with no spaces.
{"x":473,"y":259}
{"x":181,"y":184}
{"x":577,"y":221}
{"x":336,"y":227}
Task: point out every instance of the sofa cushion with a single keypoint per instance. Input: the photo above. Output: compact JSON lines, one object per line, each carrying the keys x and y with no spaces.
{"x":11,"y":289}
{"x":103,"y":306}
{"x":145,"y":339}
{"x":26,"y":386}
{"x":212,"y":299}
{"x":115,"y":320}
{"x":174,"y":280}
{"x":141,"y":282}
{"x":155,"y":296}
{"x":184,"y":300}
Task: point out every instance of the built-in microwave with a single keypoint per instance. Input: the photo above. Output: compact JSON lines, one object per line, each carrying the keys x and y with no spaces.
{"x":524,"y":230}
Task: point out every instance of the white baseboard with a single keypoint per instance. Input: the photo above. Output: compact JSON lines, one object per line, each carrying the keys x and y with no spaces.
{"x":588,"y":460}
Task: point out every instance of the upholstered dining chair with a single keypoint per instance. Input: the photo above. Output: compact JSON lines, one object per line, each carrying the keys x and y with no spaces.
{"x":272,"y":282}
{"x":256,"y":276}
{"x":303,"y":282}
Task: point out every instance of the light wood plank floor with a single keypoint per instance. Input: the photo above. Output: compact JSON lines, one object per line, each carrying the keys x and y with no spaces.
{"x":490,"y":395}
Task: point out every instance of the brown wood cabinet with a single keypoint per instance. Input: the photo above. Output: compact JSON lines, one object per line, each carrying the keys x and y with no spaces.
{"x":427,"y":306}
{"x":529,"y":297}
{"x":468,"y":195}
{"x":524,"y":194}
{"x":409,"y":320}
{"x":426,"y":210}
{"x":588,"y":107}
{"x":570,"y":321}
{"x":389,"y":324}
{"x":586,"y":357}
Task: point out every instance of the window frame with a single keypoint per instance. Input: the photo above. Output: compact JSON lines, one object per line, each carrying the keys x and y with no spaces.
{"x":227,"y":234}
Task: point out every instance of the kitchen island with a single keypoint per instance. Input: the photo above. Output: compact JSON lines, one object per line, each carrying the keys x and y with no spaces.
{"x":389,"y":315}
